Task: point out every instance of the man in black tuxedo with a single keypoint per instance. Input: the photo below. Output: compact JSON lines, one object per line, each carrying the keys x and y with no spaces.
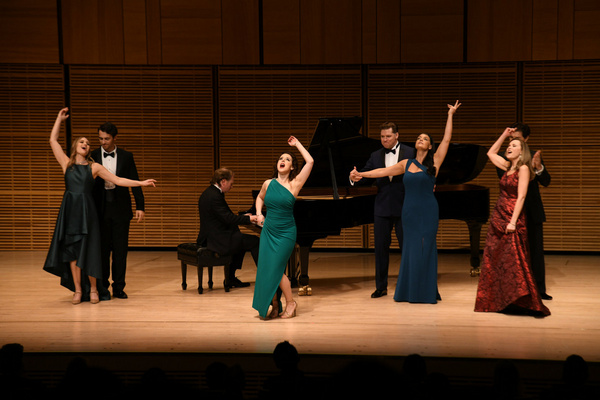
{"x":114,"y":207}
{"x":388,"y":202}
{"x":534,"y":211}
{"x":219,"y":229}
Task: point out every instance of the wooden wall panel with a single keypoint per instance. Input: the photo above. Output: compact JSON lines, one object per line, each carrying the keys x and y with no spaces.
{"x":560,"y":103}
{"x":153,"y":32}
{"x":566,"y":11}
{"x":499,"y":30}
{"x":164,"y":116}
{"x":92,"y":32}
{"x":31,"y":183}
{"x":369,"y":31}
{"x":260,"y":108}
{"x":388,"y":31}
{"x":330,"y":31}
{"x":586,"y":29}
{"x":29,"y":31}
{"x":431,"y":31}
{"x":191,"y":32}
{"x":135,"y":32}
{"x":281,"y":31}
{"x":544,"y":30}
{"x":240,"y":32}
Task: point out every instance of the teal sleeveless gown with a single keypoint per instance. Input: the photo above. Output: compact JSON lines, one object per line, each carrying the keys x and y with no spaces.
{"x":277,"y":240}
{"x":77,"y":234}
{"x":417,"y":280}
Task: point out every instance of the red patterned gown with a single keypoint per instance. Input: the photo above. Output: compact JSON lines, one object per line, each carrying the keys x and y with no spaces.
{"x":506,"y":277}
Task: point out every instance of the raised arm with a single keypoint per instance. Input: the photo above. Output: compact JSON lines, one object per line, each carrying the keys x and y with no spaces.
{"x":493,"y":155}
{"x":59,"y":154}
{"x":396,"y":169}
{"x":99,"y":170}
{"x":302,"y":176}
{"x":524,"y":175}
{"x":442,"y":150}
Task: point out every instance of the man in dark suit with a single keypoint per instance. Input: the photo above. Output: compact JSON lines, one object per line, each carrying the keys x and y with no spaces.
{"x":114,"y":207}
{"x":219,"y":229}
{"x":388,"y":202}
{"x":534,"y":211}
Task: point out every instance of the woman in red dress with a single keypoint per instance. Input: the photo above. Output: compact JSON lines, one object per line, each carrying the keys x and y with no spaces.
{"x":506,"y":283}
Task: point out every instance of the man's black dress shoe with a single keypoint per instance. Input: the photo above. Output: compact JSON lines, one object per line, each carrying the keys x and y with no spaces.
{"x":235,"y":282}
{"x":545,"y":296}
{"x":120,"y":295}
{"x":378,"y":293}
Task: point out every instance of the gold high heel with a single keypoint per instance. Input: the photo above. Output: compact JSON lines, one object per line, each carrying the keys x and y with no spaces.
{"x":94,"y":298}
{"x":76,"y":298}
{"x":287,"y":314}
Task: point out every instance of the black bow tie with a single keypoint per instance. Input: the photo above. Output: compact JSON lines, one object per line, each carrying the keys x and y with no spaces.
{"x":393,"y":151}
{"x":109,"y":154}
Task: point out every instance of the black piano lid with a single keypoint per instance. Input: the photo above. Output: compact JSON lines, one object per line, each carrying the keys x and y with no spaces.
{"x":338,"y":143}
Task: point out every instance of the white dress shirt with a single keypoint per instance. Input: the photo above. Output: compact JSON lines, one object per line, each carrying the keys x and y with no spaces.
{"x":110,"y":163}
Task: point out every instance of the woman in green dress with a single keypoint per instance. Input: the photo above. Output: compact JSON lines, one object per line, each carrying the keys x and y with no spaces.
{"x":278,"y":235}
{"x":75,"y":244}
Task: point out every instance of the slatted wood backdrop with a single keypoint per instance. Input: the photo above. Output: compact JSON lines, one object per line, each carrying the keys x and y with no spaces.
{"x":183,"y":121}
{"x":31,"y":182}
{"x":165,"y":118}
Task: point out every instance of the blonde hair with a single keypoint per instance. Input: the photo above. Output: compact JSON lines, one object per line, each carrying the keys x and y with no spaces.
{"x":524,"y":158}
{"x":88,"y":157}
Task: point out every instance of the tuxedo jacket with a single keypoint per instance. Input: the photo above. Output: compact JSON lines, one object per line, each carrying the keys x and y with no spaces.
{"x":390,"y":194}
{"x":125,"y":169}
{"x":534,"y":208}
{"x":219,"y":229}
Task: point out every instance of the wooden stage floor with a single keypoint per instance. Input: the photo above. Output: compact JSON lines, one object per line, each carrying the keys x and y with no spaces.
{"x":339,"y":318}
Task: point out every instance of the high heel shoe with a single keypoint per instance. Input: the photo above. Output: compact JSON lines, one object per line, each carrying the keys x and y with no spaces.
{"x":76,"y":298}
{"x":94,"y":297}
{"x":287,"y":314}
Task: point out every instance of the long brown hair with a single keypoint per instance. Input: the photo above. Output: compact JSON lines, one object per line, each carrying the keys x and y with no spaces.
{"x":293,"y":171}
{"x":524,"y":158}
{"x":73,"y":157}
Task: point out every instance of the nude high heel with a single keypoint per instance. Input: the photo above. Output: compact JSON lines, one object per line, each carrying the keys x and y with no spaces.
{"x":94,"y":298}
{"x":76,"y":298}
{"x":286,"y":314}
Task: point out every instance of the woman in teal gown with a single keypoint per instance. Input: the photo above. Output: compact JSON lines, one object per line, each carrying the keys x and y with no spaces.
{"x":417,"y":280}
{"x":75,"y":247}
{"x":278,"y":235}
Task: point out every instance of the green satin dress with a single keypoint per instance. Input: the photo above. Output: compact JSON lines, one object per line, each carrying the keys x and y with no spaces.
{"x":277,"y":240}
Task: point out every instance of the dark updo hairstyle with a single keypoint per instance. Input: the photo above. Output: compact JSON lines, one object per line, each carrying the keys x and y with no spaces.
{"x":294,"y":170}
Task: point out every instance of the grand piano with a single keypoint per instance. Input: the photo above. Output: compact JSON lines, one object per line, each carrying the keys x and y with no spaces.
{"x":328,"y":202}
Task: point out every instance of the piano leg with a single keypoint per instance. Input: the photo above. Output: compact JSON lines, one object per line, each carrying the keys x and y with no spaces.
{"x":474,"y":237}
{"x":304,"y":288}
{"x":299,"y":257}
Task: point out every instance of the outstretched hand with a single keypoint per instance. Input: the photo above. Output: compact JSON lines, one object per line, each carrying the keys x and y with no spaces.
{"x":355,"y":175}
{"x":452,"y":108}
{"x":149,"y":182}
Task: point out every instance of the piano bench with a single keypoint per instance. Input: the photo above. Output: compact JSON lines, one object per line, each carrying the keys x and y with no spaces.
{"x":201,"y":257}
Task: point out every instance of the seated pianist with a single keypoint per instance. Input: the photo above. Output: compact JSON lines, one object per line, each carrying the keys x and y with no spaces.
{"x":219,"y":230}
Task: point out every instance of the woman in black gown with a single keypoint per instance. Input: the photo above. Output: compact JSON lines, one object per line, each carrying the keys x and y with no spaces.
{"x":75,"y":244}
